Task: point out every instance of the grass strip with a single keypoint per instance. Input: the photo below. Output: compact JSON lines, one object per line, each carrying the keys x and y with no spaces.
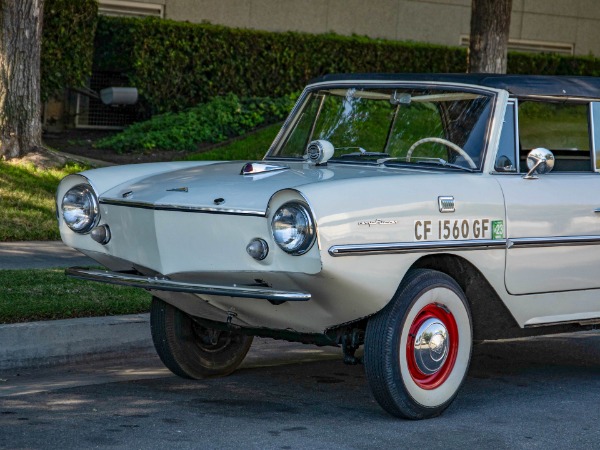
{"x":27,"y":209}
{"x":48,"y":294}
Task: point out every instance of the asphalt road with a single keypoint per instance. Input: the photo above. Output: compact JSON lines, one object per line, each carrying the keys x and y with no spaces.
{"x":536,"y":393}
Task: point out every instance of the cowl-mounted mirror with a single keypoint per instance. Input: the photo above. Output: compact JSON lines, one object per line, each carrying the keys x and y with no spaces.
{"x":539,"y":161}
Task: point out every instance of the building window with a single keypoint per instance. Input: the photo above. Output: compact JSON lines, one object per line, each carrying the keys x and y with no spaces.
{"x":521,"y":45}
{"x":130,"y":9}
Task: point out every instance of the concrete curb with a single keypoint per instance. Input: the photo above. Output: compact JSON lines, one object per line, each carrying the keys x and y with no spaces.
{"x":36,"y":344}
{"x":85,"y":160}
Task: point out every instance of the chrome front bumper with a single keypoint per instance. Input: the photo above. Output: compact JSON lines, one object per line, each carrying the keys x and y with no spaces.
{"x":164,"y":284}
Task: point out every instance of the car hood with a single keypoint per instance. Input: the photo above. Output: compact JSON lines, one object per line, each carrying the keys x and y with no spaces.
{"x":222,"y":187}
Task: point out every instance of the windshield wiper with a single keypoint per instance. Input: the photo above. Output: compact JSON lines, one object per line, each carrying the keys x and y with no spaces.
{"x":361,"y":153}
{"x":436,"y":161}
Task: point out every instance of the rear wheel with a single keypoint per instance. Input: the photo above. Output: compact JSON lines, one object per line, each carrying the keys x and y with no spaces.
{"x":418,"y":348}
{"x":191,"y":350}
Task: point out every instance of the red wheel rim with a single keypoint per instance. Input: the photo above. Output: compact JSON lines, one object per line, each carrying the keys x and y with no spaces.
{"x":440,"y":315}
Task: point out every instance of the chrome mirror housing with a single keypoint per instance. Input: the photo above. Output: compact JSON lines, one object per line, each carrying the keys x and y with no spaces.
{"x":539,"y":161}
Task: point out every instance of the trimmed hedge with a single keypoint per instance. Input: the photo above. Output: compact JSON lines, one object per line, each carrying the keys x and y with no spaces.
{"x":552,"y":64}
{"x":67,"y":44}
{"x":176,"y":65}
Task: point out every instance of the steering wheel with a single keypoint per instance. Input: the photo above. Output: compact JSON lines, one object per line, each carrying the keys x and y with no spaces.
{"x":447,"y":143}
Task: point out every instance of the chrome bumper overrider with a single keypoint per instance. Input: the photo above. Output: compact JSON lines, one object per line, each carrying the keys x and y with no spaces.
{"x":164,"y":284}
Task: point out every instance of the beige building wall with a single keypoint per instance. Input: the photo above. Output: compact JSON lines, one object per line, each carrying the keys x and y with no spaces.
{"x":570,"y":26}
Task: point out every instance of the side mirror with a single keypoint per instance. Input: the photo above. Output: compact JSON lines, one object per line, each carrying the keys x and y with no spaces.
{"x":539,"y":161}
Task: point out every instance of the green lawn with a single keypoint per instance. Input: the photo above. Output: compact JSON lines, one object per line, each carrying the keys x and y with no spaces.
{"x":29,"y":295}
{"x":27,"y":210}
{"x":251,"y":147}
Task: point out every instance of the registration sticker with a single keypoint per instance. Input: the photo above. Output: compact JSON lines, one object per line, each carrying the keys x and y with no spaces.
{"x":497,"y":229}
{"x":458,"y":229}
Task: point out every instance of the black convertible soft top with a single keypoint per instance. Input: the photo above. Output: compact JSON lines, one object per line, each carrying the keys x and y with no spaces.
{"x":517,"y":85}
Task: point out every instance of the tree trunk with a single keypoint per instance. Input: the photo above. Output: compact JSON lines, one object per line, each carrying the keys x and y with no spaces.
{"x":20,"y":105}
{"x":490,"y":24}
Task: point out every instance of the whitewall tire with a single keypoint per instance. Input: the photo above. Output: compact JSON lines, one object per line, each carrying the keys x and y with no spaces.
{"x":418,"y":348}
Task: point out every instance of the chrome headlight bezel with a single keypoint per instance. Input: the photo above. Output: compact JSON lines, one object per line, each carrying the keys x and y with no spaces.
{"x":82,"y":197}
{"x":294,"y":215}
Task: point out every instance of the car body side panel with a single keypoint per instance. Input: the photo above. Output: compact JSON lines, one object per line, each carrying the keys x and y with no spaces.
{"x":387,"y":210}
{"x":557,"y":205}
{"x":552,"y":283}
{"x":553,"y":308}
{"x":363,"y":215}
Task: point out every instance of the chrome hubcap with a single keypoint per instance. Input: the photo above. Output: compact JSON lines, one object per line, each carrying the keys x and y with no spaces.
{"x":431,"y":346}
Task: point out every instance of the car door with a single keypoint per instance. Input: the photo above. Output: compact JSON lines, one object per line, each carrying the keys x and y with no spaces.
{"x":553,"y":220}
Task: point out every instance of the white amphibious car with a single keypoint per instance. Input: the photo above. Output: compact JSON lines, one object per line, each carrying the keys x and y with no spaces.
{"x":411,"y":214}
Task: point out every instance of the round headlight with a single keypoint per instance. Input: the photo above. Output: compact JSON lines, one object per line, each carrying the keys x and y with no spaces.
{"x":293,"y":228}
{"x":80,"y":208}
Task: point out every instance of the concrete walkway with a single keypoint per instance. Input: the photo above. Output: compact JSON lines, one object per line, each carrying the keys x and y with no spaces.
{"x":40,"y":255}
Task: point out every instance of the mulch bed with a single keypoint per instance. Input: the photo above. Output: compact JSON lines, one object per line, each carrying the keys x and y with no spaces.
{"x":80,"y":143}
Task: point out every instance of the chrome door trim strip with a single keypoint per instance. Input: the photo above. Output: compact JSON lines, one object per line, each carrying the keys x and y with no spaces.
{"x":467,"y":245}
{"x":557,"y":241}
{"x":164,"y":284}
{"x":178,"y":208}
{"x":415,"y":247}
{"x":595,"y":146}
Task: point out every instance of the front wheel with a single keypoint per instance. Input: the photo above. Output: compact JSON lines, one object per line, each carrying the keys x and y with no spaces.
{"x":418,"y":348}
{"x":191,"y":350}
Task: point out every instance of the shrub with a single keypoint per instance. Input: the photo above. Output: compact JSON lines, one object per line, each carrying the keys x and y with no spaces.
{"x":212,"y":122}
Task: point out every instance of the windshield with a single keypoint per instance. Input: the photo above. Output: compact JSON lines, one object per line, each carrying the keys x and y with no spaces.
{"x":395,"y":126}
